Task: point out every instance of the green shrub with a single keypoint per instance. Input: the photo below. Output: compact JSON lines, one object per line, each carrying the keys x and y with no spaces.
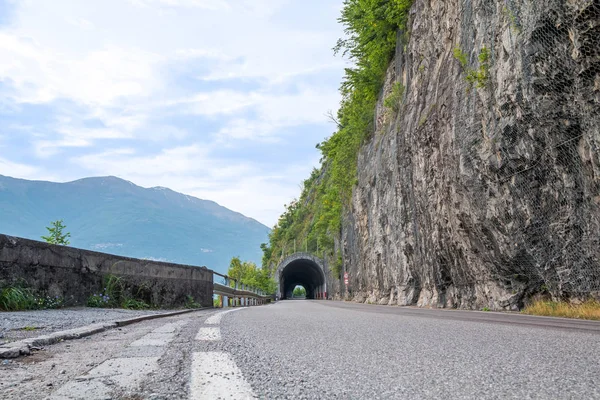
{"x":461,"y":56}
{"x":134,"y":304}
{"x":52,"y":302}
{"x":99,"y":300}
{"x":475,"y":77}
{"x":191,"y":302}
{"x":113,"y":295}
{"x":110,"y":295}
{"x":15,"y":298}
{"x":113,"y":288}
{"x":395,"y":97}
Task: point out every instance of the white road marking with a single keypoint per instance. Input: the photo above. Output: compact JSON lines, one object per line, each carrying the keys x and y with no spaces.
{"x":100,"y":381}
{"x":172,"y":327}
{"x":127,"y":373}
{"x":154,"y":339}
{"x":216,"y":319}
{"x":209,"y":334}
{"x":215,"y":375}
{"x":161,"y":336}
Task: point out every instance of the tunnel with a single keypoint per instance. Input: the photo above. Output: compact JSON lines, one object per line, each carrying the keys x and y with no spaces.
{"x":304,"y":270}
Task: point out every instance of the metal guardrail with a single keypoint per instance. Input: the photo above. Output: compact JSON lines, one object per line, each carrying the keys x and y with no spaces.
{"x":232,"y":293}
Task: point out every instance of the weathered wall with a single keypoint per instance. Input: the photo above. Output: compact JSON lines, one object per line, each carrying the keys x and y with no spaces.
{"x":76,"y":274}
{"x":484,"y":197}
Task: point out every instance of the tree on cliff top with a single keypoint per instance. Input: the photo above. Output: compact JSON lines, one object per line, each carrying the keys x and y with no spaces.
{"x":56,"y":235}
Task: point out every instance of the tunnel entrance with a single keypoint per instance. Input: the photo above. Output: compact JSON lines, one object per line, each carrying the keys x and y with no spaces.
{"x":301,"y":269}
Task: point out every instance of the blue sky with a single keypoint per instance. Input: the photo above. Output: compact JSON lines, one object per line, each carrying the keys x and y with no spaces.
{"x":220,"y":99}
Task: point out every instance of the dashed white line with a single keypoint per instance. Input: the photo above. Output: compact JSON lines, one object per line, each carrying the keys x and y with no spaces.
{"x":216,"y":319}
{"x":154,"y":339}
{"x":211,"y":334}
{"x":172,"y":327}
{"x":215,"y":375}
{"x":161,"y":336}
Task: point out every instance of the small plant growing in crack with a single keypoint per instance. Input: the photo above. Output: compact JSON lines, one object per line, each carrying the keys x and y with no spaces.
{"x":475,"y":77}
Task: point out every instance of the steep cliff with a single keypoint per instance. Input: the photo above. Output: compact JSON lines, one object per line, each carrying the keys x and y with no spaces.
{"x":481,"y":186}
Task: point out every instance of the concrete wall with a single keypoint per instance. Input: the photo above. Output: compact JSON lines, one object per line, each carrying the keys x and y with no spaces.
{"x":75,"y":274}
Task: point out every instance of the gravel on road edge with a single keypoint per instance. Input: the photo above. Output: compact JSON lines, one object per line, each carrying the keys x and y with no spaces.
{"x":19,"y":325}
{"x":24,"y":347}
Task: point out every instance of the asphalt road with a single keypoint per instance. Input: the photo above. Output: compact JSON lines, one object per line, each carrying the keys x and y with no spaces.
{"x":319,"y":350}
{"x":328,"y":350}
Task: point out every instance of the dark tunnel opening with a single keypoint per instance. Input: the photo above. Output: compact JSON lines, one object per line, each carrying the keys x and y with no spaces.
{"x":304,"y":273}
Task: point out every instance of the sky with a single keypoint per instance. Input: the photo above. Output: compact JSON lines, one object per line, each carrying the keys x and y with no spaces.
{"x":224,"y":100}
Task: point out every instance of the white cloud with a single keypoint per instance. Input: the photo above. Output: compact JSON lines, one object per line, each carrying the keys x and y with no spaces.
{"x":150,"y":89}
{"x":178,"y":160}
{"x":206,"y":4}
{"x":46,"y":148}
{"x":191,"y":53}
{"x":81,"y":23}
{"x":247,"y":187}
{"x":42,"y":75}
{"x":120,"y":56}
{"x":218,"y":102}
{"x":276,"y":112}
{"x":9,"y":168}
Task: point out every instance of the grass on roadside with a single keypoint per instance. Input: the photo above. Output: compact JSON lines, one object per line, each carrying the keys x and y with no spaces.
{"x":191,"y":303}
{"x":15,"y":298}
{"x":588,"y":310}
{"x":18,"y":298}
{"x":114,"y":296}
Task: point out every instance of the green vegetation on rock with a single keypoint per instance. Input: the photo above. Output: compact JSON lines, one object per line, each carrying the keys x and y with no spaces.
{"x":311,"y":223}
{"x":475,"y":77}
{"x":393,"y":100}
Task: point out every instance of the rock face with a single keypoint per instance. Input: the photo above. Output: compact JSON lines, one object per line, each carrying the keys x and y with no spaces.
{"x":483,"y":197}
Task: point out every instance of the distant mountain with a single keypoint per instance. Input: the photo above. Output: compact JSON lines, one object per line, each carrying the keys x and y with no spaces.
{"x":115,"y":216}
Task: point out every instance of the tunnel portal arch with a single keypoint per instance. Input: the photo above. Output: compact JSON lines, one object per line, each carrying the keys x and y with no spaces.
{"x":302,"y":269}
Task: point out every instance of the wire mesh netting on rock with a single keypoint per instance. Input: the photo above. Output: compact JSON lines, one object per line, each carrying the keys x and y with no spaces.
{"x":529,"y":143}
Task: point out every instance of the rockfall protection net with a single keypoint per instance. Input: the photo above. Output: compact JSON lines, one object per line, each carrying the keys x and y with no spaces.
{"x":530,"y":145}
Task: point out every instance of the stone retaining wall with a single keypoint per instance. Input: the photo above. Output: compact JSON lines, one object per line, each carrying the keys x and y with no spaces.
{"x":75,"y":274}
